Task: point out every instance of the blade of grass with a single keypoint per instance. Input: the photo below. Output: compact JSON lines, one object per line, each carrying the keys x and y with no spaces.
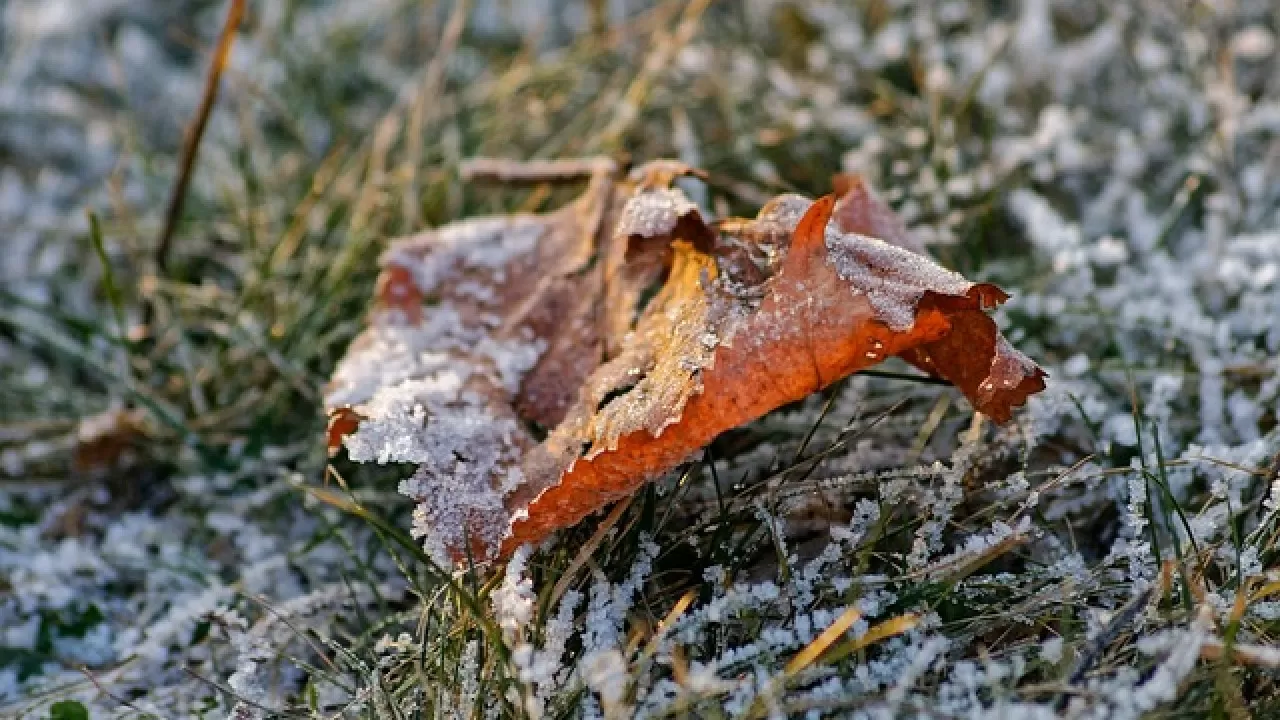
{"x":813,"y":650}
{"x":579,"y":560}
{"x":108,"y":276}
{"x":407,"y":543}
{"x":195,"y":131}
{"x":881,"y":631}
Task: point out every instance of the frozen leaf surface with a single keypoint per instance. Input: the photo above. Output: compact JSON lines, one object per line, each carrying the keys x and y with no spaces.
{"x":537,"y":367}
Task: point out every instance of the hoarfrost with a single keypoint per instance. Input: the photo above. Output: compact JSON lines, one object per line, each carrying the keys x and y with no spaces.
{"x":487,"y":243}
{"x":892,"y":278}
{"x":654,"y":212}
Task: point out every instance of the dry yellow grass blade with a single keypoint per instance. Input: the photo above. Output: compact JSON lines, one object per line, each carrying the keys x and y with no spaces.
{"x":1245,"y":654}
{"x":1267,"y":590}
{"x":819,"y":645}
{"x":882,"y":631}
{"x":676,"y":611}
{"x":813,"y":652}
{"x":664,"y":625}
{"x":562,"y":585}
{"x":1241,"y":604}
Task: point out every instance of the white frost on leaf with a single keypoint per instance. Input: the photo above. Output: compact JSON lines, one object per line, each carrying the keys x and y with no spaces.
{"x":892,"y":278}
{"x":654,"y":212}
{"x":435,"y":391}
{"x":484,"y":243}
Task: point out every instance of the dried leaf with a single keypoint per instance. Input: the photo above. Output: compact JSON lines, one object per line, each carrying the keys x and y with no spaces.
{"x":538,"y":367}
{"x":105,"y":440}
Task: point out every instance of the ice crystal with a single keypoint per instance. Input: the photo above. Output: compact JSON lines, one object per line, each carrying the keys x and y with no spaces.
{"x":892,"y":278}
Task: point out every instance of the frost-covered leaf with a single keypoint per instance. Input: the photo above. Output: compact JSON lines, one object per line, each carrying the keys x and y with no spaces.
{"x":538,"y":367}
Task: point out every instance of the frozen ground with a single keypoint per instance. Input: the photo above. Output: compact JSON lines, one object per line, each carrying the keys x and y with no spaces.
{"x":172,"y":545}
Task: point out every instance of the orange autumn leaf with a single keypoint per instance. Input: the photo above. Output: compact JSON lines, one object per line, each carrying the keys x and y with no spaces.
{"x":538,"y":367}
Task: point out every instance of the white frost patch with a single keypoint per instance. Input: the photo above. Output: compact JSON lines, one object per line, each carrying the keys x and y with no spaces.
{"x":435,"y":393}
{"x":893,"y":279}
{"x":394,"y":352}
{"x":1255,"y":42}
{"x":397,"y":428}
{"x":1052,"y":235}
{"x":466,"y":465}
{"x":1051,"y":650}
{"x":1076,"y":365}
{"x":512,"y":358}
{"x":654,"y":212}
{"x":489,"y":243}
{"x":1163,"y":685}
{"x":514,"y":601}
{"x":605,"y":672}
{"x":785,"y":210}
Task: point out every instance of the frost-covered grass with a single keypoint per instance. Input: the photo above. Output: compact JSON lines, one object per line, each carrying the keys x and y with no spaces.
{"x":874,"y":552}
